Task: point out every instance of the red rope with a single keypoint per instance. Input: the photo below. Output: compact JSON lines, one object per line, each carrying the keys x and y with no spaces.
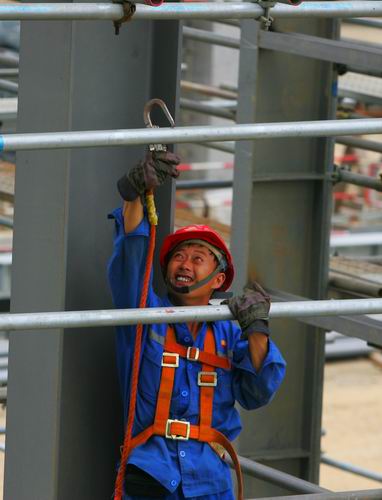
{"x":118,"y":489}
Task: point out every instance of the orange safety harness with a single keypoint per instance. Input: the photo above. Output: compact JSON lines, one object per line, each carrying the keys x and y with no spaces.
{"x":207,"y":381}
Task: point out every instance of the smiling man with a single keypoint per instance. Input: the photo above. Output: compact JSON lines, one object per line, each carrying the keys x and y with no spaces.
{"x":190,"y":374}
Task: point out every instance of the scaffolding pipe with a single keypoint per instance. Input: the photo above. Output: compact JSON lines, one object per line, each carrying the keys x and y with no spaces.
{"x":370,"y":23}
{"x":5,"y":221}
{"x":60,"y":140}
{"x":206,"y":108}
{"x":208,"y":90}
{"x":9,"y":58}
{"x":203,"y":184}
{"x":210,"y":37}
{"x":208,"y":10}
{"x":154,"y":315}
{"x":9,"y":86}
{"x":10,"y":72}
{"x":354,"y":469}
{"x":356,"y":142}
{"x":343,"y":175}
{"x":277,"y":477}
{"x":355,"y":285}
{"x":219,"y":146}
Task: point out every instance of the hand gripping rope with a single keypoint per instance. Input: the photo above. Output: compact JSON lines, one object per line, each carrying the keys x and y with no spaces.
{"x":153,"y":219}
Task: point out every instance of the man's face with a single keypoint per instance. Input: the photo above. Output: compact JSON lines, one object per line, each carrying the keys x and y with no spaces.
{"x":191,"y":263}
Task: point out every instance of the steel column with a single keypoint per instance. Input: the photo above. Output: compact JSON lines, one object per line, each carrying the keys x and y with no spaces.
{"x":280,"y":236}
{"x":62,"y":244}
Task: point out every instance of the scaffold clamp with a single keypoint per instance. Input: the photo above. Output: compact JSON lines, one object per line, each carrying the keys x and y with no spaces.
{"x":128,"y":12}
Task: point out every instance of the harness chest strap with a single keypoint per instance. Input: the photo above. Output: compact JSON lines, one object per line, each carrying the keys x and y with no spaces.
{"x":207,"y":380}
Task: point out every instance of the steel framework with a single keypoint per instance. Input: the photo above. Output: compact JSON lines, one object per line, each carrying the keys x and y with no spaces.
{"x":71,"y":416}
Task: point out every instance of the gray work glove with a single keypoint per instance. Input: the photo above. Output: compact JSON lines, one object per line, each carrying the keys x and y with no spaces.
{"x":251,"y":309}
{"x":148,"y":174}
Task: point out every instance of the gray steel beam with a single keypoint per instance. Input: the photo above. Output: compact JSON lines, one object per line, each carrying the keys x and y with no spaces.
{"x":358,"y":142}
{"x":354,"y":469}
{"x":133,"y":137}
{"x":343,"y":175}
{"x":358,"y":57}
{"x":276,"y":477}
{"x":359,"y":326}
{"x":280,"y":233}
{"x":62,"y":242}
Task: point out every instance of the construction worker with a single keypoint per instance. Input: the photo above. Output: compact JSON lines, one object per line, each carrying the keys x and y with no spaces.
{"x":241,"y":364}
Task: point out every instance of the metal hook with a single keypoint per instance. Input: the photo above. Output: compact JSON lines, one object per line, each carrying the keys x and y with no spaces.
{"x":147,"y":119}
{"x":147,"y":112}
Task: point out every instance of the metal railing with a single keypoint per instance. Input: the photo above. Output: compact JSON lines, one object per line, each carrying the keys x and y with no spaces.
{"x":208,"y":10}
{"x":61,"y":140}
{"x":82,"y":319}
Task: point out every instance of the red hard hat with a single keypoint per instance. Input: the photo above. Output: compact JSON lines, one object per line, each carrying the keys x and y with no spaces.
{"x":198,"y":232}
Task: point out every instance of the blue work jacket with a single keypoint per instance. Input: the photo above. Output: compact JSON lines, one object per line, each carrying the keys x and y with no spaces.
{"x":193,"y":464}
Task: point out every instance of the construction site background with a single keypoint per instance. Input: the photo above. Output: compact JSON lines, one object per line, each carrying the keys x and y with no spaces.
{"x":352,"y":410}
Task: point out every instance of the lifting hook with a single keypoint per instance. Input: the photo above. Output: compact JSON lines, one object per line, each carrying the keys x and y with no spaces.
{"x":147,"y":120}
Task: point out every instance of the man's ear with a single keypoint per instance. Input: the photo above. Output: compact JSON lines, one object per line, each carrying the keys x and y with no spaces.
{"x":218,"y":281}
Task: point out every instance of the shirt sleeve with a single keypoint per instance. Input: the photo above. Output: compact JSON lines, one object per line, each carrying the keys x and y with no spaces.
{"x":253,"y":389}
{"x":127,"y":264}
{"x":125,"y":272}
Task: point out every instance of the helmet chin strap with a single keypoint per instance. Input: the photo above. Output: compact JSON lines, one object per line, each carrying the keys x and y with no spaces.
{"x":195,"y":286}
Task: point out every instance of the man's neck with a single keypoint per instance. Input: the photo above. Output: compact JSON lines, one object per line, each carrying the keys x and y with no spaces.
{"x":185,"y":299}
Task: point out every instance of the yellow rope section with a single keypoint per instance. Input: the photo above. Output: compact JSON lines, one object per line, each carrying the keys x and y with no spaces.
{"x":151,"y":210}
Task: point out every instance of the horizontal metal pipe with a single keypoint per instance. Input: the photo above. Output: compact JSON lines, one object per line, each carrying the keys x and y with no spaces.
{"x":61,"y":140}
{"x":219,"y":146}
{"x":5,"y":221}
{"x":9,"y":86}
{"x":357,"y":142}
{"x":9,"y":58}
{"x":203,"y":184}
{"x":207,"y":10}
{"x":357,"y":285}
{"x":274,"y":476}
{"x":10,"y":72}
{"x":82,"y":319}
{"x":370,"y":23}
{"x":343,"y":175}
{"x":354,"y":469}
{"x":208,"y":90}
{"x":206,"y":109}
{"x":210,"y":37}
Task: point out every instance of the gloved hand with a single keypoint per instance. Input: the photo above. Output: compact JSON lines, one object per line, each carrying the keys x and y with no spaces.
{"x":148,"y":174}
{"x":250,"y":307}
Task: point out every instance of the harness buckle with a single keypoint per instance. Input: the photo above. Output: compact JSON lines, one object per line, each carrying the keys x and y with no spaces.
{"x":191,"y":350}
{"x":178,"y":437}
{"x":208,"y":382}
{"x":173,"y":356}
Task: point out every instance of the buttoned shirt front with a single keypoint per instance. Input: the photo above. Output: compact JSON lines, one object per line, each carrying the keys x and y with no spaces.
{"x":193,"y":464}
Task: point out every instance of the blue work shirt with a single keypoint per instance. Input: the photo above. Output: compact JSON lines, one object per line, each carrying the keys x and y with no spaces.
{"x":192,"y":464}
